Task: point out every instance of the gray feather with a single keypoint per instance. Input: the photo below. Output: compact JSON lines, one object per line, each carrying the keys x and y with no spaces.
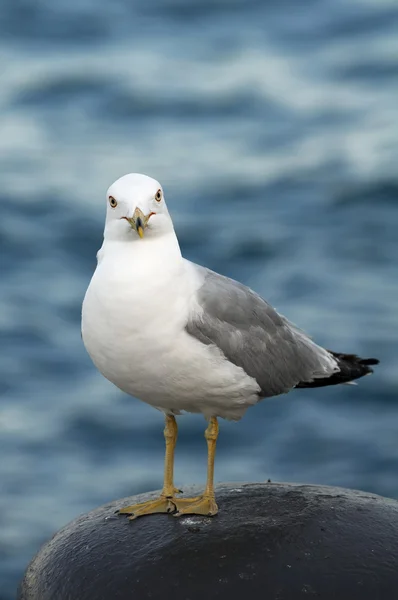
{"x":252,"y":335}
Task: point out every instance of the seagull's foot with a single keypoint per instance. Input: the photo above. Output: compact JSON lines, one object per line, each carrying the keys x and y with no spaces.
{"x":163,"y":504}
{"x":201,"y":505}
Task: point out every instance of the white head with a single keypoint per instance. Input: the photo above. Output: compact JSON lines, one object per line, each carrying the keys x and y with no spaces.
{"x":136,"y":209}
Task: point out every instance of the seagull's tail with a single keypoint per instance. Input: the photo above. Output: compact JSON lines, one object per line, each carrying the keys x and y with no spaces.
{"x":351,"y":367}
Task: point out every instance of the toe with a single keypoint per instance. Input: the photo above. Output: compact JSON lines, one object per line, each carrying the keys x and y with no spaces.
{"x":205,"y":507}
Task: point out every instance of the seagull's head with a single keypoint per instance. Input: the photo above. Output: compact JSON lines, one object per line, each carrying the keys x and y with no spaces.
{"x":136,"y":209}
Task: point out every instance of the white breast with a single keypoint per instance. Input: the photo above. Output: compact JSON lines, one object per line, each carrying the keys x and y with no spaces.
{"x":133,"y":327}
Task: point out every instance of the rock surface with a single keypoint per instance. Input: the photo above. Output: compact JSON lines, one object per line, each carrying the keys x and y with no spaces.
{"x":269,"y":542}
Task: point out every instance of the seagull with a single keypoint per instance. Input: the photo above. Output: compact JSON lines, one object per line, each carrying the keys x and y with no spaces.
{"x":183,"y":338}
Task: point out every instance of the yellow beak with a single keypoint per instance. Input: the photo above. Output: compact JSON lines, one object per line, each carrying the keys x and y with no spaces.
{"x":139,"y":221}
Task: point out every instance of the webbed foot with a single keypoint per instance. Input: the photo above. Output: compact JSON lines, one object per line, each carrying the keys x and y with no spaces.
{"x":162,"y":504}
{"x":202,"y":505}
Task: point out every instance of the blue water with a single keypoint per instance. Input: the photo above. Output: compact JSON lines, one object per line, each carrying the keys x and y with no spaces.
{"x":273,"y":127}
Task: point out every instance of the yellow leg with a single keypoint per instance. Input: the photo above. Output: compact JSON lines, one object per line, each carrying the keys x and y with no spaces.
{"x":205,"y":504}
{"x":170,"y":436}
{"x":166,"y":503}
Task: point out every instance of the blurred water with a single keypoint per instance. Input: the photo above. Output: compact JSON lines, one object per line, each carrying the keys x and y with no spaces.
{"x":277,"y":118}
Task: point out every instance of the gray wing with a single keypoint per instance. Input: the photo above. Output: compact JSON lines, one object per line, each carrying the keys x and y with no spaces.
{"x":252,"y":335}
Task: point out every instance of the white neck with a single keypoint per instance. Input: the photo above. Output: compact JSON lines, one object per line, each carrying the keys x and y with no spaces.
{"x":142,"y":255}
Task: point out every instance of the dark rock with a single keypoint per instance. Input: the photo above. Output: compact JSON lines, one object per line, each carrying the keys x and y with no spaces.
{"x":269,"y":542}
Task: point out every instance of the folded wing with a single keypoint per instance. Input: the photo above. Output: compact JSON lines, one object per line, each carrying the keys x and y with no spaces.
{"x":253,"y":336}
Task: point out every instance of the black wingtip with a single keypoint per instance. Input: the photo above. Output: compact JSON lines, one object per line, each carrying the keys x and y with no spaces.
{"x":351,"y":367}
{"x":369,"y":361}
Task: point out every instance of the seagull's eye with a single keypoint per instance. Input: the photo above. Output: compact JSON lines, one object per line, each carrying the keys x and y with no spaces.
{"x":158,"y":196}
{"x":112,"y":202}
